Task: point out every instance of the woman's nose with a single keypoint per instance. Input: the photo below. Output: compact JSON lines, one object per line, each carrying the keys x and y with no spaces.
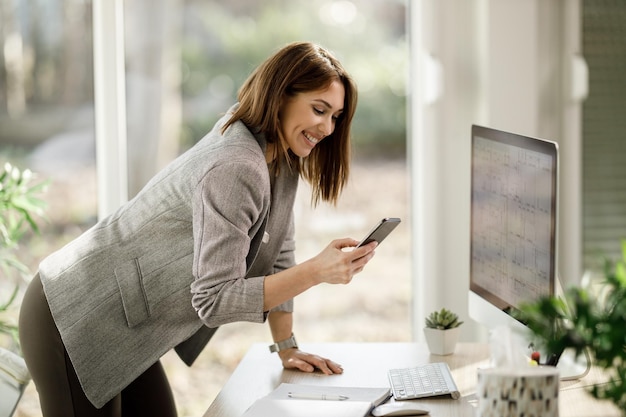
{"x":327,"y":126}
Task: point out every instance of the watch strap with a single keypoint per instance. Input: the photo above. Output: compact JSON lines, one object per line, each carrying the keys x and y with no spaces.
{"x":284,"y":344}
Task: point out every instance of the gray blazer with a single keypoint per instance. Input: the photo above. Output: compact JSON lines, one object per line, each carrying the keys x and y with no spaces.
{"x":186,"y":255}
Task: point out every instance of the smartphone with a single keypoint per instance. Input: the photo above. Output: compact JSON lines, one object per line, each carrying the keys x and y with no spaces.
{"x":380,"y":231}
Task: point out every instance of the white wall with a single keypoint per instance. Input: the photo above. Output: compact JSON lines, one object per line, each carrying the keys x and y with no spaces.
{"x":502,"y":65}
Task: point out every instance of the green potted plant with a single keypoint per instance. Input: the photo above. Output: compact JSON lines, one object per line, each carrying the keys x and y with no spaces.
{"x":19,"y":204}
{"x":588,"y":318}
{"x":442,"y":331}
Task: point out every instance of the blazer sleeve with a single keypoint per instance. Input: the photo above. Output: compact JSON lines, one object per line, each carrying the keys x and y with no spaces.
{"x":229,"y":206}
{"x":286,"y":259}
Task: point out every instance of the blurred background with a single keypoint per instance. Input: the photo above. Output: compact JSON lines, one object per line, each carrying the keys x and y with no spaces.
{"x":184,"y":62}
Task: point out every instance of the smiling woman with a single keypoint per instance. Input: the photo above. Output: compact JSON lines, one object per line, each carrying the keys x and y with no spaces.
{"x":284,"y":102}
{"x":228,"y":257}
{"x":183,"y":62}
{"x":310,"y":117}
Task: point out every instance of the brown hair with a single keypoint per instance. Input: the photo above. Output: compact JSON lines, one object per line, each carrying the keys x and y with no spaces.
{"x":297,"y":68}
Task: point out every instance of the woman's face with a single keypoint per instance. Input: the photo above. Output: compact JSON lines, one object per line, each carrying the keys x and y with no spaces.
{"x":307,"y":118}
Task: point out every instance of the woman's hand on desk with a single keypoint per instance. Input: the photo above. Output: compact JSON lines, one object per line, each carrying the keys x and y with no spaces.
{"x":306,"y":362}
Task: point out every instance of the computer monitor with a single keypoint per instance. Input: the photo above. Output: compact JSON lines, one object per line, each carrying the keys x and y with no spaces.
{"x":513,"y":233}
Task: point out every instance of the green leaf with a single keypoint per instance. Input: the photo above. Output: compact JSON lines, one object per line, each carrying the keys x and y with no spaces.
{"x":442,"y":319}
{"x":7,"y":304}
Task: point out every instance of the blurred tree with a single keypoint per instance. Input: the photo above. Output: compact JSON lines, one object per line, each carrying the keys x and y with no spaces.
{"x":198,"y":52}
{"x":46,"y":69}
{"x":153,"y":98}
{"x":193,"y":70}
{"x":224,"y":41}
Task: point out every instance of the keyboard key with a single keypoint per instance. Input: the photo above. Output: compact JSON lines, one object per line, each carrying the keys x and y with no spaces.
{"x":428,"y":380}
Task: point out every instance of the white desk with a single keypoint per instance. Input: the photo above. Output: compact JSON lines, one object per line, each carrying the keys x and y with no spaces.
{"x":366,"y":365}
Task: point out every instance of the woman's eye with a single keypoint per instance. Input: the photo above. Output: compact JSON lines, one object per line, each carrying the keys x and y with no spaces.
{"x":318,"y":111}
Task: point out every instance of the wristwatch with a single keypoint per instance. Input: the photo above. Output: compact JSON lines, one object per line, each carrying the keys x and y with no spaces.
{"x":284,"y":344}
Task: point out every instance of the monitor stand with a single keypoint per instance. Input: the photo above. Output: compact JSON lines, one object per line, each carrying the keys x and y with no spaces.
{"x":572,"y":367}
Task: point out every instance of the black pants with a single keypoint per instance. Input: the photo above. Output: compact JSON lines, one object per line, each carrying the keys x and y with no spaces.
{"x":60,"y":393}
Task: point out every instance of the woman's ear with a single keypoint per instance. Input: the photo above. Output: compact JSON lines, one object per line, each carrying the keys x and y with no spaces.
{"x":284,"y":99}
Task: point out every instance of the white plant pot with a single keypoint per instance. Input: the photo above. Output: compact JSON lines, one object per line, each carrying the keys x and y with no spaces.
{"x":441,"y":342}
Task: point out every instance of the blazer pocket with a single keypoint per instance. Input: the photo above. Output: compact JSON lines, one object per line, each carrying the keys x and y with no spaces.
{"x":134,"y":300}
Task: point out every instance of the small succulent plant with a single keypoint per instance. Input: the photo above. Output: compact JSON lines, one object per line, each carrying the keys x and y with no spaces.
{"x":442,"y":320}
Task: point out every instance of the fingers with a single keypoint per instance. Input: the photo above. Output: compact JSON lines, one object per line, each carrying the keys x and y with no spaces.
{"x":364,"y":250}
{"x":357,"y":259}
{"x":344,"y":243}
{"x":307,"y":362}
{"x":300,"y":364}
{"x":334,"y":367}
{"x":362,"y":255}
{"x":351,"y":244}
{"x":337,"y":266}
{"x":327,"y":366}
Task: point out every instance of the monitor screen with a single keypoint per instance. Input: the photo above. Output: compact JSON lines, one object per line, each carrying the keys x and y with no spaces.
{"x":513,"y":232}
{"x":513,"y":217}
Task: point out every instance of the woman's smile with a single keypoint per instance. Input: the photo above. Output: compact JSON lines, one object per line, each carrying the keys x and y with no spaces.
{"x":311,"y":138}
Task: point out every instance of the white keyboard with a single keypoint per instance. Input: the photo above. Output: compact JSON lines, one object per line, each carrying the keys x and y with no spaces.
{"x":428,"y":380}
